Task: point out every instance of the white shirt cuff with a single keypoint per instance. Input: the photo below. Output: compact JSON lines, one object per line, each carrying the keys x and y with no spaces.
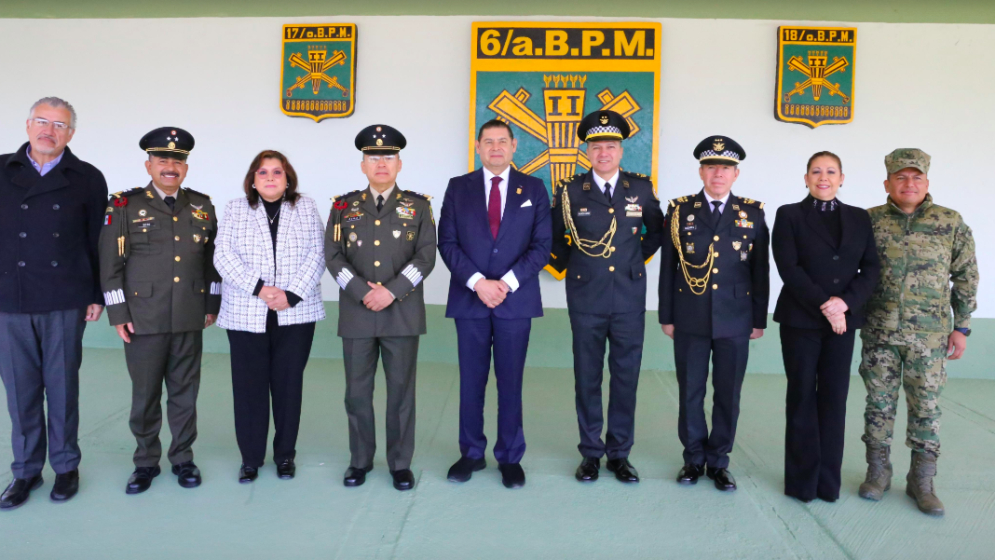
{"x":473,"y":280}
{"x":511,"y":280}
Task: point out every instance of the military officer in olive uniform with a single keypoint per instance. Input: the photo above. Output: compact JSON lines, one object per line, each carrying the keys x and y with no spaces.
{"x":714,"y":287}
{"x":600,"y":247}
{"x":380,"y":245}
{"x":161,"y":290}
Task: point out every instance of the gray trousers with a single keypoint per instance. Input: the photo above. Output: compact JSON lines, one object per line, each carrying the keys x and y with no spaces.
{"x":400,"y":355}
{"x":175,"y":359}
{"x":40,"y":355}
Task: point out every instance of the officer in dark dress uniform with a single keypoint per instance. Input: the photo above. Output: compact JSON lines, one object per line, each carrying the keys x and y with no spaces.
{"x":600,"y":246}
{"x":380,"y":245}
{"x":714,"y":287}
{"x":162,"y":290}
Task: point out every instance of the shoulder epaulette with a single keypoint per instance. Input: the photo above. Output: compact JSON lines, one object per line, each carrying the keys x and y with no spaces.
{"x":348,"y":194}
{"x":636,"y":175}
{"x":191,"y":191}
{"x":419,"y":195}
{"x":128,"y":192}
{"x":751,"y":202}
{"x":681,"y":199}
{"x":567,"y":180}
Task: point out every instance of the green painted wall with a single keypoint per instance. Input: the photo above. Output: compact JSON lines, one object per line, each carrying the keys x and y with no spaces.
{"x":893,"y":11}
{"x":550,"y":344}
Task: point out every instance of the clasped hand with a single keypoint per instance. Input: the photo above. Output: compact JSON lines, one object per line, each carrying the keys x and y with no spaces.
{"x":275,"y":298}
{"x":378,"y":298}
{"x":835,"y":311}
{"x":491,"y":292}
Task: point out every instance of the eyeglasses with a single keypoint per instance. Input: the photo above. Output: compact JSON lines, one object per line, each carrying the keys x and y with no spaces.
{"x":277,"y":173}
{"x":376,"y":159}
{"x":45,"y":122}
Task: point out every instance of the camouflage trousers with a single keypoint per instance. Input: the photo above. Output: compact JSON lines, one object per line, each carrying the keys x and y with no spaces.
{"x":916,"y":361}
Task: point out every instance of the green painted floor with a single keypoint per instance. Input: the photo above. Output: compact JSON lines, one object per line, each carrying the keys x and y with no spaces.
{"x":554,"y":516}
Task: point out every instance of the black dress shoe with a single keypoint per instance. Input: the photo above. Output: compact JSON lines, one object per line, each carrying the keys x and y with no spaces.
{"x":623,"y":469}
{"x":19,"y":491}
{"x":141,"y":479}
{"x":286,"y":469}
{"x":247,"y":474}
{"x":404,"y":479}
{"x":462,"y":470}
{"x":66,"y":486}
{"x":588,"y":469}
{"x":723,"y":479}
{"x":187,"y":474}
{"x":356,"y":476}
{"x":690,"y":473}
{"x":512,"y":475}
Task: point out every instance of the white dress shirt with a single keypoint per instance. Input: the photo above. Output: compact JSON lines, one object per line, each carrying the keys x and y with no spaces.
{"x":508,"y":278}
{"x":386,"y":194}
{"x":163,"y":195}
{"x":601,"y":182}
{"x":722,"y":207}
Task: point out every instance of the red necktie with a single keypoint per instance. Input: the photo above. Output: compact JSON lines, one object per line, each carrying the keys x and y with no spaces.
{"x":494,"y":207}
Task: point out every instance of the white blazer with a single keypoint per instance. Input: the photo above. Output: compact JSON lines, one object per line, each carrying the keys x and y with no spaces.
{"x":243,"y":255}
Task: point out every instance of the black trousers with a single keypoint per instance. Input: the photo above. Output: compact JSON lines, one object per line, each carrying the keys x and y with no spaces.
{"x":691,"y":357}
{"x":623,"y":333}
{"x":817,"y":363}
{"x":263,"y":365}
{"x":40,"y":355}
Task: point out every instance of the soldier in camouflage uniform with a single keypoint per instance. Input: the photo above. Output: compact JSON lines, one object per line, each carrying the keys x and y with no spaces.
{"x":928,"y":266}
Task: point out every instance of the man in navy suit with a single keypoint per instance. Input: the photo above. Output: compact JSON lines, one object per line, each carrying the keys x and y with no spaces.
{"x":495,"y":236}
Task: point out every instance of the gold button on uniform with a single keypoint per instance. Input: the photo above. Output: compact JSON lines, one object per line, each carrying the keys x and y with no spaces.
{"x":715,"y":254}
{"x":177,"y":279}
{"x":376,"y":223}
{"x":613,"y":249}
{"x":715,"y":286}
{"x":202,"y":291}
{"x":611,"y":210}
{"x":175,"y":219}
{"x":744,"y":237}
{"x":611,"y":269}
{"x":177,"y":238}
{"x":376,"y":263}
{"x":715,"y":271}
{"x":716,"y":238}
{"x":377,"y":242}
{"x":177,"y":258}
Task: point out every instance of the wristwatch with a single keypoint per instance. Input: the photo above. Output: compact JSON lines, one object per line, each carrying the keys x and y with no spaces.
{"x":964,"y":331}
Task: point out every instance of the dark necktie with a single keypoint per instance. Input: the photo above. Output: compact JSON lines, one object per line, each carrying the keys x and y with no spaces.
{"x":608,"y":192}
{"x":170,"y":201}
{"x":494,"y":207}
{"x":379,"y":202}
{"x":715,"y":211}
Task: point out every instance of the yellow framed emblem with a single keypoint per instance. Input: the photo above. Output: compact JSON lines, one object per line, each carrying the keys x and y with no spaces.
{"x":318,"y":71}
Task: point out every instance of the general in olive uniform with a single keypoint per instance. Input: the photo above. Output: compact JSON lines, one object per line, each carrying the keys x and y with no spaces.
{"x":161,"y":290}
{"x":714,"y":287}
{"x":380,"y":245}
{"x":607,"y":224}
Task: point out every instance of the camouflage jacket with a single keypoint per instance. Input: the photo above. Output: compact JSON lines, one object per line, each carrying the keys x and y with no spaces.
{"x":928,"y":266}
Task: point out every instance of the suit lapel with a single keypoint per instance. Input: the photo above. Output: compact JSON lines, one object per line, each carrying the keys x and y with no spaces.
{"x":154,"y":201}
{"x":703,"y":213}
{"x":370,"y":204}
{"x":512,"y":202}
{"x":815,"y":222}
{"x":846,"y":221}
{"x":728,"y":215}
{"x":595,"y":194}
{"x":287,"y":213}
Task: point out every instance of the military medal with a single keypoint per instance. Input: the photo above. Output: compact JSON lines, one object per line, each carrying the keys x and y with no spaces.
{"x":353,"y":236}
{"x":690,"y":217}
{"x":742,"y":214}
{"x":405,"y":213}
{"x":634,"y":230}
{"x":697,"y":204}
{"x":355,"y":203}
{"x":632,"y":199}
{"x":689,"y":249}
{"x":407,"y":202}
{"x":353,"y":216}
{"x":518,"y":190}
{"x":142,"y":212}
{"x":743,"y":255}
{"x":359,"y":243}
{"x":199,"y":214}
{"x":736,"y":207}
{"x":397,"y":234}
{"x":744,"y":224}
{"x":736,"y":245}
{"x":196,"y":238}
{"x":410,"y":236}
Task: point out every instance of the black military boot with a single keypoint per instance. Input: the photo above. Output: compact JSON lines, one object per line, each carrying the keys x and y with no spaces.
{"x":879,"y":471}
{"x":919,"y":483}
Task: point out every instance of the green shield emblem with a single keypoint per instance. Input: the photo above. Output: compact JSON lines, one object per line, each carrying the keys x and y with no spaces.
{"x":542,"y":78}
{"x":318,"y":75}
{"x":815,"y":81}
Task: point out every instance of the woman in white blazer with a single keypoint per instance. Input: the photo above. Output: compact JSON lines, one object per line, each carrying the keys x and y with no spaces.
{"x":270,"y":253}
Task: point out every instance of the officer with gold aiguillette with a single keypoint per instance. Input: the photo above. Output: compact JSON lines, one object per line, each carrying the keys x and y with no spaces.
{"x":380,"y":245}
{"x":600,"y":247}
{"x":714,"y":287}
{"x":162,"y":290}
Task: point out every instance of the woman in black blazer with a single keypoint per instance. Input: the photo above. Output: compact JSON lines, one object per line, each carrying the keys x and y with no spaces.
{"x":825,"y":254}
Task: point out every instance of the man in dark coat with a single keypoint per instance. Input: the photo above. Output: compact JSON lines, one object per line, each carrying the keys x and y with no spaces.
{"x":51,"y":205}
